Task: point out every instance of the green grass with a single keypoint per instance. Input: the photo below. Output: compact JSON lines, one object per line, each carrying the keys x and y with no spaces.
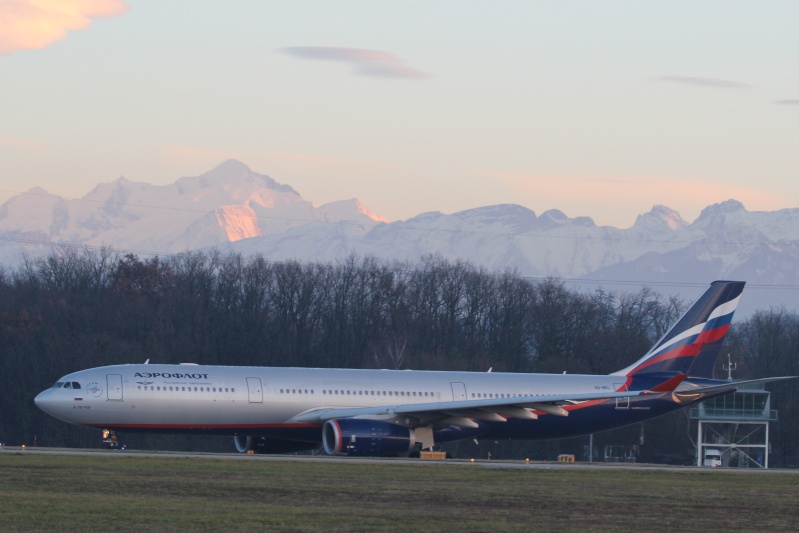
{"x":130,"y":493}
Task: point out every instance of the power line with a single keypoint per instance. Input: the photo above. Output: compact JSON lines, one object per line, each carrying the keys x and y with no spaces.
{"x":84,"y":247}
{"x":586,"y":281}
{"x":572,"y":281}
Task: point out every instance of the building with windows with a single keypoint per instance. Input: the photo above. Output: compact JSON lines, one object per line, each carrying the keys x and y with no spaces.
{"x":733,"y":429}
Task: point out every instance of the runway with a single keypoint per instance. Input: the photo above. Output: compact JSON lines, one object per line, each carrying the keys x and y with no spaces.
{"x":478,"y":463}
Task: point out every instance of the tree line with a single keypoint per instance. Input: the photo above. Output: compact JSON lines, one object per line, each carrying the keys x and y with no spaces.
{"x":74,"y":310}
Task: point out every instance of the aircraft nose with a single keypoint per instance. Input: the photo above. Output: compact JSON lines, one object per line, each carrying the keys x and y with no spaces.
{"x":44,"y":401}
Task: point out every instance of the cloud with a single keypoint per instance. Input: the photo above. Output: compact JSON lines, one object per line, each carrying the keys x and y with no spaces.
{"x":21,"y":144}
{"x":787,"y":102}
{"x":364,"y":62}
{"x":35,"y":24}
{"x":710,"y":83}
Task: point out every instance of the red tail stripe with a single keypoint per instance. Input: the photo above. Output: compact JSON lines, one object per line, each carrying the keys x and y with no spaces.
{"x":670,"y":384}
{"x":688,"y":350}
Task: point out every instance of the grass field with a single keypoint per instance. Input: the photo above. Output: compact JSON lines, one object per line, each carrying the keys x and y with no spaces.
{"x":130,"y":493}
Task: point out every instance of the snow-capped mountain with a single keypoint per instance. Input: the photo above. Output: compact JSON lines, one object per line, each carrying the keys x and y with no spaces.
{"x":226,"y":204}
{"x":232,"y":208}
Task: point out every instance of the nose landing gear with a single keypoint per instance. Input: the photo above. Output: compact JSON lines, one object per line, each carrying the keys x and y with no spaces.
{"x":109,"y":441}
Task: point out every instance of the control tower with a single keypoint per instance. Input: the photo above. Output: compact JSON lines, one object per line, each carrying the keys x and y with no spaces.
{"x":734,"y":428}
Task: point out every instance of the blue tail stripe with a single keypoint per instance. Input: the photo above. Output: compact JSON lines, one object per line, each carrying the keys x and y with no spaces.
{"x":696,"y":335}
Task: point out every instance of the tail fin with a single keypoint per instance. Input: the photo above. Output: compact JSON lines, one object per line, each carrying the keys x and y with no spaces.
{"x":692,"y":344}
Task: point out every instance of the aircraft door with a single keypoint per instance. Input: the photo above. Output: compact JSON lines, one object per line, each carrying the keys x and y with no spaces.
{"x":458,"y":391}
{"x":114,"y":388}
{"x":621,"y":403}
{"x":255,"y":391}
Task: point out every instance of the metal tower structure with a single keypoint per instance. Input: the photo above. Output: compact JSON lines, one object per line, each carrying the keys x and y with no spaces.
{"x":733,"y":429}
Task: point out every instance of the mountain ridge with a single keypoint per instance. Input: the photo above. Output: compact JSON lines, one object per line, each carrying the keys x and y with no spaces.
{"x":232,"y":208}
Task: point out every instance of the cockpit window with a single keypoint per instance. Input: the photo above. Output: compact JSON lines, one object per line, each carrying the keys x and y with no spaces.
{"x":67,"y":385}
{"x":58,"y":385}
{"x":75,"y":385}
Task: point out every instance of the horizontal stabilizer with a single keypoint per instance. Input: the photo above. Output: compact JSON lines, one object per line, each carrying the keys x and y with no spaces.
{"x":691,"y":394}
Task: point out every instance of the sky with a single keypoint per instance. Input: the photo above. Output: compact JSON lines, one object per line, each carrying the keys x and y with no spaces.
{"x":599,"y":109}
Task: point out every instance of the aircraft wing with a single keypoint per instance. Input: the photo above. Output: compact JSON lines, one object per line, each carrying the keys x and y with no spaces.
{"x":490,"y":409}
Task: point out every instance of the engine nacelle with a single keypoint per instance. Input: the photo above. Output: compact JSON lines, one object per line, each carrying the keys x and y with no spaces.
{"x":265,"y":445}
{"x":358,"y":436}
{"x":243,"y":443}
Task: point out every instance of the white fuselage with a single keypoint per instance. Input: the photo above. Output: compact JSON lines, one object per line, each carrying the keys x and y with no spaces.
{"x":235,"y":399}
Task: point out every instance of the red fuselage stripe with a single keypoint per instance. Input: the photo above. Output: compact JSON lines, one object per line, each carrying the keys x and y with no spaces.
{"x":204,"y":426}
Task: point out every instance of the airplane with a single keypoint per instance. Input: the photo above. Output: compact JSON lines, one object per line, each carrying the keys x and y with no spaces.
{"x":391,"y":412}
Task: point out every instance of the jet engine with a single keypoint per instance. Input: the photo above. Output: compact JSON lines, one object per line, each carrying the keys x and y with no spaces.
{"x":358,"y":436}
{"x":246,"y":443}
{"x":243,"y":443}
